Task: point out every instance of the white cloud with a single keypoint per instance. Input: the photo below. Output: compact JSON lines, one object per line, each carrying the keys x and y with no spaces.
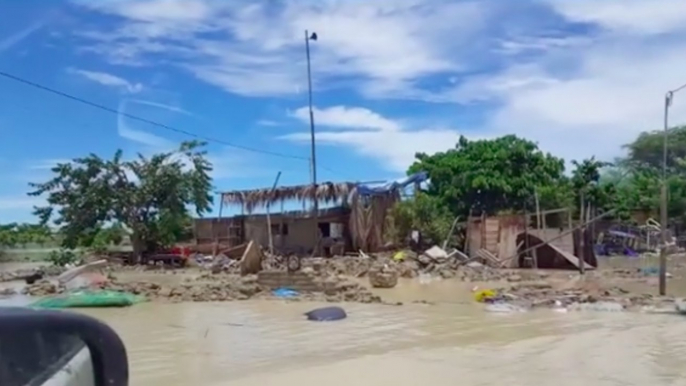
{"x":144,"y":138}
{"x":589,"y":99}
{"x":109,"y":80}
{"x":347,"y":117}
{"x":158,"y":10}
{"x":164,"y":106}
{"x":374,"y":136}
{"x":518,"y":67}
{"x":267,"y":122}
{"x":622,"y":16}
{"x":257,"y":48}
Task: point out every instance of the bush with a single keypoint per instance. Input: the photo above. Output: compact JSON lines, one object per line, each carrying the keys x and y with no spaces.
{"x":63,"y":257}
{"x":423,"y":213}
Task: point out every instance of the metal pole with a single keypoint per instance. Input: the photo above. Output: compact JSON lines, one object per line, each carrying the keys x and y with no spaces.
{"x":313,"y":152}
{"x":582,"y":241}
{"x":663,"y":200}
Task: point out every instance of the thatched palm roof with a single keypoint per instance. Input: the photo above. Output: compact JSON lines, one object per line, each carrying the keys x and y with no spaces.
{"x":326,"y":192}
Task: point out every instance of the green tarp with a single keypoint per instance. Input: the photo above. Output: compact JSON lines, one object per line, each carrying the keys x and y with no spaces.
{"x":96,"y":298}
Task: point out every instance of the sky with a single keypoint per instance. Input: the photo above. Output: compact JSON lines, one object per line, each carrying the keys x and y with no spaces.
{"x":390,"y":78}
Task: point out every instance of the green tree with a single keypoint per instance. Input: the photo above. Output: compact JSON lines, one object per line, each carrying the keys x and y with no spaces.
{"x":8,"y":235}
{"x":647,"y":150}
{"x":492,"y":175}
{"x":643,"y":165}
{"x":146,"y":195}
{"x":423,"y":213}
{"x":585,"y":181}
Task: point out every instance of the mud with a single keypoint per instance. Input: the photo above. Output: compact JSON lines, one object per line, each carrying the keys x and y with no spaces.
{"x":597,"y":287}
{"x":383,"y":275}
{"x":338,"y":279}
{"x":220,"y":287}
{"x":20,"y":274}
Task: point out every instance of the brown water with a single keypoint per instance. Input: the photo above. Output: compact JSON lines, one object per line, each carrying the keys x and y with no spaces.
{"x":454,"y":341}
{"x":268,"y":342}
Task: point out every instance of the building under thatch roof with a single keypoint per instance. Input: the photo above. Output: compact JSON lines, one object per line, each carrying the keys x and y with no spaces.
{"x":326,"y":192}
{"x":366,"y":209}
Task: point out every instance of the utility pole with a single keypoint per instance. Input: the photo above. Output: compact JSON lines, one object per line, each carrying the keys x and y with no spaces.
{"x":313,"y":154}
{"x":663,"y":193}
{"x":663,"y":199}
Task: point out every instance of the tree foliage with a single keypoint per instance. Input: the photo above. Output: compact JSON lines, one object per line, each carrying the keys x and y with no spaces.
{"x":492,"y":175}
{"x":13,"y":234}
{"x":149,"y":196}
{"x":424,"y":213}
{"x":502,"y":174}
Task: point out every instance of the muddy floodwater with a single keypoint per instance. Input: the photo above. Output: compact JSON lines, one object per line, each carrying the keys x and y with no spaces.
{"x":453,"y":341}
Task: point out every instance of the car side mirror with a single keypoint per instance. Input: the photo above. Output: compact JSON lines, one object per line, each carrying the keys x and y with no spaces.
{"x":42,"y":347}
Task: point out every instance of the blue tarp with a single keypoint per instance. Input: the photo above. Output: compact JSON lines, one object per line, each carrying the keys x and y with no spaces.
{"x":370,"y":190}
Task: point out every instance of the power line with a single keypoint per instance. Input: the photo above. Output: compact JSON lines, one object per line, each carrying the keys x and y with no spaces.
{"x":146,"y":120}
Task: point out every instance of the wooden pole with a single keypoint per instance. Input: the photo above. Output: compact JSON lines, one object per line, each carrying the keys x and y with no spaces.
{"x":527,"y":219}
{"x":538,"y":211}
{"x":281,"y":228}
{"x":217,"y":222}
{"x":450,"y":233}
{"x":269,"y":219}
{"x":468,"y":233}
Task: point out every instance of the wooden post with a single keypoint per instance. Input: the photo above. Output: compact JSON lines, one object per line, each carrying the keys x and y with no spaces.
{"x":269,"y":218}
{"x":281,"y":230}
{"x":215,"y":225}
{"x":527,"y":221}
{"x":468,"y":233}
{"x":538,"y":211}
{"x":570,"y":223}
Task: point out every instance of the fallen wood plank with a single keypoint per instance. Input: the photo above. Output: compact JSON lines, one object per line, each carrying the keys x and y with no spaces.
{"x":76,"y":271}
{"x":488,"y":257}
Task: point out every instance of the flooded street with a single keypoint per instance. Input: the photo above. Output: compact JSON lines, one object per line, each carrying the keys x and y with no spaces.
{"x":259,"y":342}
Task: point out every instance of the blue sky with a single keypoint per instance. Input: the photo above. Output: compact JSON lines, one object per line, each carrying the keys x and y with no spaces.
{"x":391,"y":78}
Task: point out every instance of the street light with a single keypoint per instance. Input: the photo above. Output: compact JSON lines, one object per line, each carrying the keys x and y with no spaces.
{"x":663,"y":192}
{"x":313,"y":155}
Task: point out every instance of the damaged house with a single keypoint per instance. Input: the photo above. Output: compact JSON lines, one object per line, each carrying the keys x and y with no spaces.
{"x":355,"y":218}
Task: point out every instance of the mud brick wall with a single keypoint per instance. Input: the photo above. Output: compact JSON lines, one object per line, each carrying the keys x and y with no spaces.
{"x":298,"y":281}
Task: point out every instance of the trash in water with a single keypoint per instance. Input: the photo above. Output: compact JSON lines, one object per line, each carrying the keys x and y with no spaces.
{"x":484,"y":295}
{"x":504,"y":308}
{"x":285,"y":293}
{"x":598,"y":306}
{"x":326,"y":314}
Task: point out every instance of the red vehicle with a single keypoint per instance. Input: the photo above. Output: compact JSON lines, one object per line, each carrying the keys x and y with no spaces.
{"x":175,"y":256}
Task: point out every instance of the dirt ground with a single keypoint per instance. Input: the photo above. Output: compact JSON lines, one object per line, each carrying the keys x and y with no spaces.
{"x":631,"y":283}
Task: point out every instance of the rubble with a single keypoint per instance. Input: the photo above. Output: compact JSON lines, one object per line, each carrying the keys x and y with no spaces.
{"x":42,"y":288}
{"x":578,"y":297}
{"x":221,"y":287}
{"x":20,"y":274}
{"x":382,"y":275}
{"x":7,"y":291}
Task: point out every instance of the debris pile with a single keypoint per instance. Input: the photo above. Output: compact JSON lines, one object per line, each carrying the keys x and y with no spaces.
{"x":544,"y":295}
{"x":220,"y":288}
{"x":21,"y":274}
{"x":42,"y":288}
{"x":383,"y":275}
